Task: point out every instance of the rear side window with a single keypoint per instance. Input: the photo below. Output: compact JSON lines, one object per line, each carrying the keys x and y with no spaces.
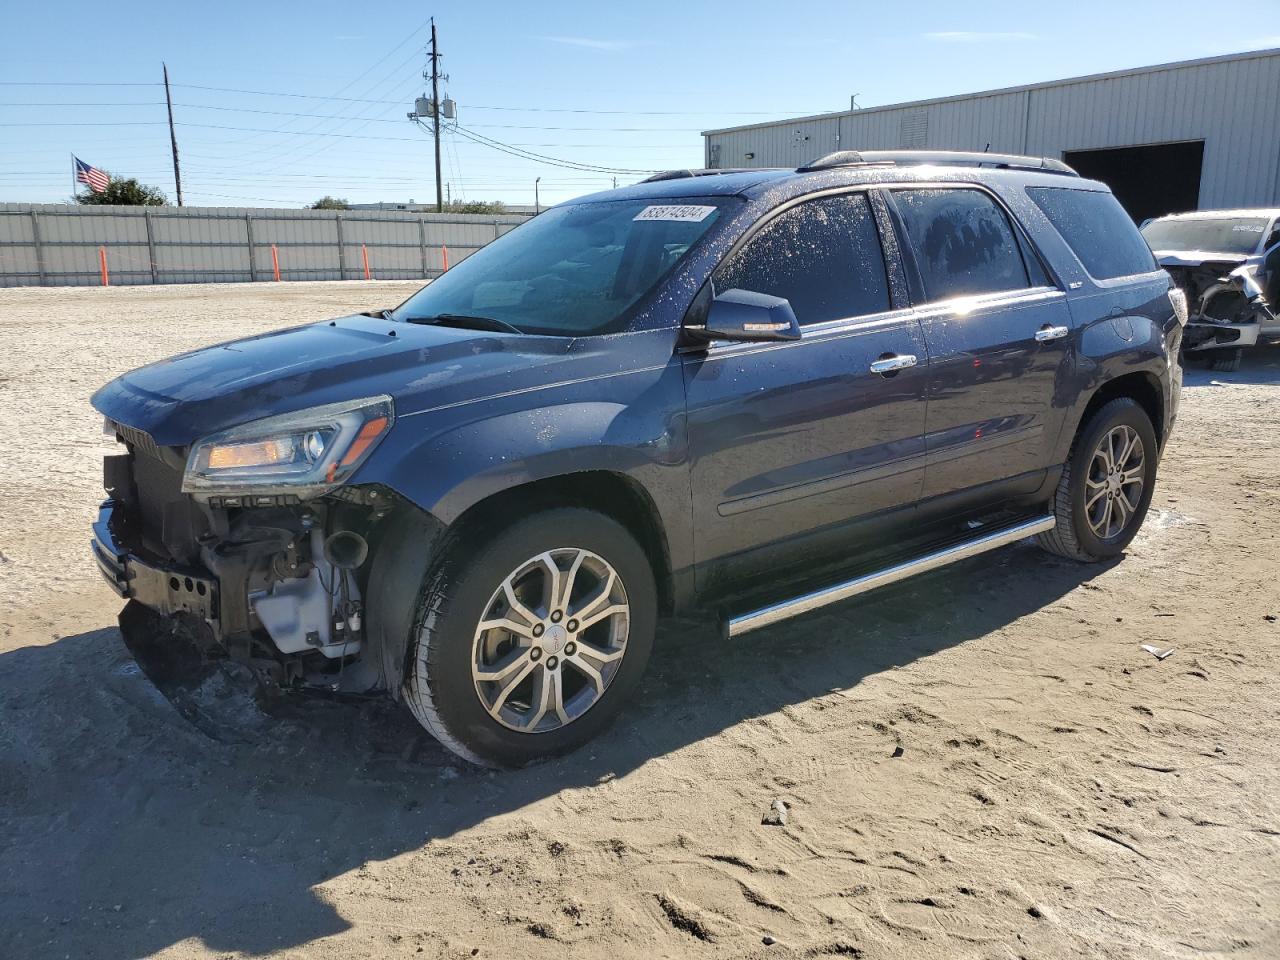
{"x":823,"y":255}
{"x":962,"y":241}
{"x":1097,"y":229}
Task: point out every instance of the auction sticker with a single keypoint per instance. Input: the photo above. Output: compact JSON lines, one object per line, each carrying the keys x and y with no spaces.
{"x":675,"y":211}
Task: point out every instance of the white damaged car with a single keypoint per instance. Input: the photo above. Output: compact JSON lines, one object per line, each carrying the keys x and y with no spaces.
{"x":1228,"y":264}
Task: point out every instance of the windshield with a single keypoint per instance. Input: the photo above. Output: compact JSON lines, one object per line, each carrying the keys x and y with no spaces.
{"x":1225,"y":235}
{"x":573,"y":271}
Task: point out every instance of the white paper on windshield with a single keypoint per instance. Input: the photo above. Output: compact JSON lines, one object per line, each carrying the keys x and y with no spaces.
{"x":685,"y":212}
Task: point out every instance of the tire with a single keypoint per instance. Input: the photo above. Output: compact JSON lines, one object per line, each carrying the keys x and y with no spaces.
{"x":1226,"y":361}
{"x":1079,"y":533}
{"x":452,"y":656}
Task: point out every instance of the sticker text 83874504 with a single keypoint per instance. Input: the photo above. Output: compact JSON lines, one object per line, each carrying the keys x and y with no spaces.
{"x":675,"y":211}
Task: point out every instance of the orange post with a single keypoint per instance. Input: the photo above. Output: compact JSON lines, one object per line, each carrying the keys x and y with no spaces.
{"x":364,"y":253}
{"x":444,"y":252}
{"x":102,"y":263}
{"x":275,"y":262}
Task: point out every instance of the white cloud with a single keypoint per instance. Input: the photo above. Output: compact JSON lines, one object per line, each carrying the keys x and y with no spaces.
{"x":591,"y":43}
{"x":972,"y":36}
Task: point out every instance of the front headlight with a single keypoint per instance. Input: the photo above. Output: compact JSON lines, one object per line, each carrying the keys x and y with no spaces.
{"x":304,"y":454}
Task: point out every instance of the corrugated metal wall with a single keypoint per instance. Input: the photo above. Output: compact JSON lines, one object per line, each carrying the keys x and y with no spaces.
{"x":1232,"y":103}
{"x":58,"y":244}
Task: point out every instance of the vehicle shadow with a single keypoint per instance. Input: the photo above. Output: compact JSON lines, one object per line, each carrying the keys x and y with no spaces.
{"x":125,"y":830}
{"x":1260,"y":366}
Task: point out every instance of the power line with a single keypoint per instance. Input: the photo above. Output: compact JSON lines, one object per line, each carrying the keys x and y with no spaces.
{"x":295,"y":133}
{"x":469,"y":106}
{"x":96,"y":103}
{"x":310,"y":131}
{"x":91,"y":123}
{"x":396,"y":103}
{"x":478,"y":106}
{"x":348,"y":85}
{"x":76,"y":83}
{"x":541,"y":158}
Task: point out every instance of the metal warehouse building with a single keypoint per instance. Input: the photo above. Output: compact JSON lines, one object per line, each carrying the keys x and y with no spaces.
{"x":1199,"y":134}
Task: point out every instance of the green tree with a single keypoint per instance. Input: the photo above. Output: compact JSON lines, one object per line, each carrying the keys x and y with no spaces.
{"x":127,"y":193}
{"x":330,"y":203}
{"x":476,"y":206}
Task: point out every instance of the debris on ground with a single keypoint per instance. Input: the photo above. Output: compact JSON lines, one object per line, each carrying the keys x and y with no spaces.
{"x":1160,"y":653}
{"x":776,"y":816}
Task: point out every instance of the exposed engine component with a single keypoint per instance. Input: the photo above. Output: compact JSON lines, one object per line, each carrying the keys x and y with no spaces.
{"x":321,"y":609}
{"x":346,"y":549}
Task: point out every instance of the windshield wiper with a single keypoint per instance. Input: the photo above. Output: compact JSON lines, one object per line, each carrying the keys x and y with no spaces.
{"x":465,"y":321}
{"x":383,"y":314}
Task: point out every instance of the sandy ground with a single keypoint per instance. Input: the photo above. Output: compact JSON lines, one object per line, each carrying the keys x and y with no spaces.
{"x":982,"y":763}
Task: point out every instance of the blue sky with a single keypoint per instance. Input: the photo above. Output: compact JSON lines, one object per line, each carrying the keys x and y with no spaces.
{"x":626,"y":86}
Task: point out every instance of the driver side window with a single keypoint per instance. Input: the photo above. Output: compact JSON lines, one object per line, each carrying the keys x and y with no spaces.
{"x":824,"y":256}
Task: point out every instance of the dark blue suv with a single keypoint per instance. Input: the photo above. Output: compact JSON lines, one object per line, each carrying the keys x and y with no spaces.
{"x":753,"y":392}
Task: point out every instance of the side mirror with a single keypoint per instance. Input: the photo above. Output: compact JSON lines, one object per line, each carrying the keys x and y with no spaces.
{"x":743,"y":315}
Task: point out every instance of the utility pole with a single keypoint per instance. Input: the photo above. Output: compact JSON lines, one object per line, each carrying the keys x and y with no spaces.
{"x":435,"y":107}
{"x":173,"y":139}
{"x":537,"y":206}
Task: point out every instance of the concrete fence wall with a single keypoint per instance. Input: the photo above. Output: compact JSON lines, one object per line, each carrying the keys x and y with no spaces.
{"x":63,"y":245}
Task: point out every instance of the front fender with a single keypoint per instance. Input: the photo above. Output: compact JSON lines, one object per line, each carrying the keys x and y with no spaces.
{"x":453,"y":471}
{"x":631,"y":425}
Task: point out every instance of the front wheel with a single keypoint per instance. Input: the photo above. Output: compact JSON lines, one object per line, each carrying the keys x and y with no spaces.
{"x":530,"y":640}
{"x":1106,"y":486}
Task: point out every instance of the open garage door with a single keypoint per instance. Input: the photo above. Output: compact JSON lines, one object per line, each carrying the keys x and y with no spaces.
{"x":1149,"y":181}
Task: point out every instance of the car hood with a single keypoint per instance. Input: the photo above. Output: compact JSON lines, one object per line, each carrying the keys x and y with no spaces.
{"x":189,"y":396}
{"x":1194,"y":258}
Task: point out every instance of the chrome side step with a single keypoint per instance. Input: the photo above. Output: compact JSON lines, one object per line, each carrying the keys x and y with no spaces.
{"x":765,"y":616}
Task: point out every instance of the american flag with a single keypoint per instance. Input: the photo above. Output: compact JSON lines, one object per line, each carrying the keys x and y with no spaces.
{"x":95,"y":178}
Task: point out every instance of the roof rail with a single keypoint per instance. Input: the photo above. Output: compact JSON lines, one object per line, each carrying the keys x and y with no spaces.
{"x":1005,"y":161}
{"x":681,"y":174}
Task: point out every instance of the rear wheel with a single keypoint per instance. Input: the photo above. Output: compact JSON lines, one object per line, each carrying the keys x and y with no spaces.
{"x":1106,"y":485}
{"x":530,"y":641}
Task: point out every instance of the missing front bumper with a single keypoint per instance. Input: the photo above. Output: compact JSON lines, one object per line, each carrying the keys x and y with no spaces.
{"x":168,"y":589}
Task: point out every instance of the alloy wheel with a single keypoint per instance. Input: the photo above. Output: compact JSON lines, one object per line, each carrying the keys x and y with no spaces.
{"x":1113,"y":488}
{"x":551,"y":640}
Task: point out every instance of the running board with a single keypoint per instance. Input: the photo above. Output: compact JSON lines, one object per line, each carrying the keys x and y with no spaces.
{"x":765,"y":616}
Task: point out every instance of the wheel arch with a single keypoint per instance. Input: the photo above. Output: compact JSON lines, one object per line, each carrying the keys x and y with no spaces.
{"x":616,"y":495}
{"x":410,"y":540}
{"x":1142,"y":387}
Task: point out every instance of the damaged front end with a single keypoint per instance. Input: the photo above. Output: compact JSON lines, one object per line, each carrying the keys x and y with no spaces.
{"x":250,"y":546}
{"x":1228,"y":309}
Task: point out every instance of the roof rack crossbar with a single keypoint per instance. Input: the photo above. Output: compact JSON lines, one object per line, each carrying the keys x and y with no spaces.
{"x":1007,"y":161}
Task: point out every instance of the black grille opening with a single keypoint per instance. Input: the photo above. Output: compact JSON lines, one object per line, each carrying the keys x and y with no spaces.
{"x":163,"y":520}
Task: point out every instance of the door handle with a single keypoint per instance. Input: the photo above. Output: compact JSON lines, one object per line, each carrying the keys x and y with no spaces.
{"x":1047,"y":333}
{"x":891,"y":363}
